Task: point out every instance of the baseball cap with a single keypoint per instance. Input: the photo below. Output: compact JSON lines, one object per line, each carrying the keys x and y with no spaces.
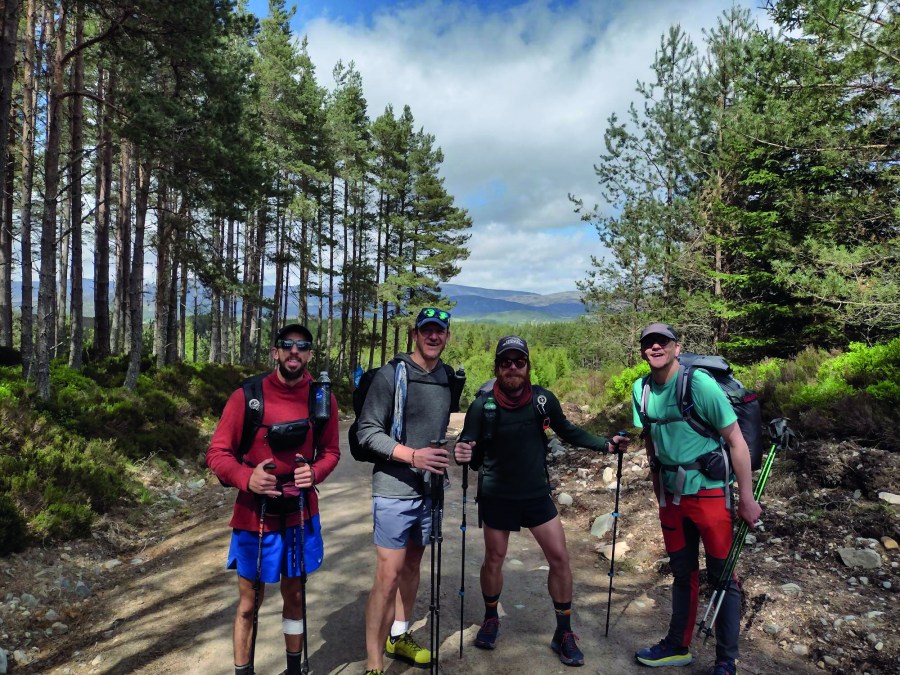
{"x":294,"y":328}
{"x":434,"y":315}
{"x":660,"y":329}
{"x":511,"y":342}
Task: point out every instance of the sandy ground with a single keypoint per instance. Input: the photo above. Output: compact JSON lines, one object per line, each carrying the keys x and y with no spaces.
{"x":176,"y":617}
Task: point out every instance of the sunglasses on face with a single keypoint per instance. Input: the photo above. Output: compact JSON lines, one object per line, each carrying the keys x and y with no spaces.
{"x":432,"y":312}
{"x":509,"y":363}
{"x":301,"y":345}
{"x":660,"y":340}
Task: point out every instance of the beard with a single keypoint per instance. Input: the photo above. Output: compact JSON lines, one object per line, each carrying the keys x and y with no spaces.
{"x":290,"y":375}
{"x":511,"y":383}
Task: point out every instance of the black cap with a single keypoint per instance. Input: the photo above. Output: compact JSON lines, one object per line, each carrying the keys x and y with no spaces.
{"x":511,"y":342}
{"x":660,"y":329}
{"x":294,"y":328}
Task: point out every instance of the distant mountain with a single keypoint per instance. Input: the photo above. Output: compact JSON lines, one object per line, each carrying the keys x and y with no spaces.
{"x":487,"y":305}
{"x":507,"y":306}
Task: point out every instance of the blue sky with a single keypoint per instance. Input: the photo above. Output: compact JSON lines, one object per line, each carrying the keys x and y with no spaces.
{"x":517,"y":94}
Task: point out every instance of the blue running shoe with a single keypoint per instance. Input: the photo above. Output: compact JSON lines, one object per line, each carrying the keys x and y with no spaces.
{"x":564,"y":645}
{"x":664,"y":654}
{"x":487,"y":634}
{"x":722,"y":667}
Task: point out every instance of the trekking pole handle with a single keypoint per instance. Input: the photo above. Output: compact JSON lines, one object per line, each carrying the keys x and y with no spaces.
{"x":269,"y":467}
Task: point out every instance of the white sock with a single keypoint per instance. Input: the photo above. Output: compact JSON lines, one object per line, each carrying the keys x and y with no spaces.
{"x":398,"y":628}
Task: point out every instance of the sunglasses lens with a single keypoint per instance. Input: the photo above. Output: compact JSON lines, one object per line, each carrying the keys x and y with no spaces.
{"x":302,"y":345}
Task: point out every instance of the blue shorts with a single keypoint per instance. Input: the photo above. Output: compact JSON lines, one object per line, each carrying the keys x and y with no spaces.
{"x":280,"y":552}
{"x":399,"y":521}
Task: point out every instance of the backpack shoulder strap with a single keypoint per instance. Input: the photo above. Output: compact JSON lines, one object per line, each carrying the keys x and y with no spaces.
{"x":253,"y":412}
{"x":685,"y":396}
{"x":539,"y":399}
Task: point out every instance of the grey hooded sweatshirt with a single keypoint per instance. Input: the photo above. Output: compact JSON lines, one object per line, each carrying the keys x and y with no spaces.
{"x":426,"y":418}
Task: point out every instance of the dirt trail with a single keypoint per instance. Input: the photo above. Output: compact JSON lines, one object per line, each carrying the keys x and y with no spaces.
{"x":176,"y":616}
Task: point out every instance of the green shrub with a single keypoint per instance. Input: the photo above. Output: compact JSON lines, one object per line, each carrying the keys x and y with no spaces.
{"x":619,"y":388}
{"x":12,"y":527}
{"x":61,"y":521}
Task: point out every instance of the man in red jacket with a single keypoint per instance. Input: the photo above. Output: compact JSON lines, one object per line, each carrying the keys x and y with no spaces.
{"x":297,"y":466}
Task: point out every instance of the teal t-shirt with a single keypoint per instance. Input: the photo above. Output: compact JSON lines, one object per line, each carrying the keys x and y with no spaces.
{"x":676,"y":442}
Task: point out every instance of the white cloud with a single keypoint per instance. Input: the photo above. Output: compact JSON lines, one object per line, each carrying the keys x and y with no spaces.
{"x":518,"y":100}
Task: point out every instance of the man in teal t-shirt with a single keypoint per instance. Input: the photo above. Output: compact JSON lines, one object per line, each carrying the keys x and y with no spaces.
{"x":692,"y":505}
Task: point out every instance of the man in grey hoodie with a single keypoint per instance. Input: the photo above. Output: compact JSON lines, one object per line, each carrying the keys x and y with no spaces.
{"x":400,"y":483}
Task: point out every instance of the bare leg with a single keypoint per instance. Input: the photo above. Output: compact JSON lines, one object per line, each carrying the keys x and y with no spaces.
{"x":380,"y":606}
{"x":552,"y":540}
{"x":496,"y":542}
{"x":243,"y":620}
{"x":293,"y":609}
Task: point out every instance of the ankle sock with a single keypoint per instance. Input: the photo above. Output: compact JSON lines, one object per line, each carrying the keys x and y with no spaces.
{"x":293,"y":663}
{"x":490,"y":606}
{"x":563,"y":616}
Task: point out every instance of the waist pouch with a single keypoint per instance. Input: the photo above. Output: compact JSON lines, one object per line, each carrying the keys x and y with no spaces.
{"x":286,"y":436}
{"x":282,"y":506}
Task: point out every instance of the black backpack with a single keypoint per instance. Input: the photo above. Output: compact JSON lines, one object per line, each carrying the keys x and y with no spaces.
{"x":363,"y":454}
{"x":744,"y":402}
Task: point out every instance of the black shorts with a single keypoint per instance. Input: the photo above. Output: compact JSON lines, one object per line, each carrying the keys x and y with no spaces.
{"x":513,"y":514}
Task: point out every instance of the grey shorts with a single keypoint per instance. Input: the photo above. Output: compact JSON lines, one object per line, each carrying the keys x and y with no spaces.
{"x":400,"y":521}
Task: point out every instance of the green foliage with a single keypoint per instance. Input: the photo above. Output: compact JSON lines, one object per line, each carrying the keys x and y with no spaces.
{"x":620,"y":386}
{"x":60,"y":521}
{"x":12,"y":527}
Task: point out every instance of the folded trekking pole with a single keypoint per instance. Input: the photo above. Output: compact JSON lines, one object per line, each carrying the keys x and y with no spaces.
{"x":269,"y":466}
{"x":304,"y":667}
{"x":462,"y":573}
{"x":437,"y":515}
{"x":615,"y":515}
{"x":782,"y":439}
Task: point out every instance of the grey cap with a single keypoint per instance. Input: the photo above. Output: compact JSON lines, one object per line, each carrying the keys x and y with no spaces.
{"x":660,"y":329}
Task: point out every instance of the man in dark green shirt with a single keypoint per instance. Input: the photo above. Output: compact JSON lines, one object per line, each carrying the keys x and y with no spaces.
{"x":505,"y":435}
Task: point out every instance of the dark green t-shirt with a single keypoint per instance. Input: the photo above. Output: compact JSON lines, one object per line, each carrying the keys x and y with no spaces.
{"x":513,"y":464}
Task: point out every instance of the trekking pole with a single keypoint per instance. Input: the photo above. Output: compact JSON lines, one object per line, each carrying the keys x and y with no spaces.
{"x":437,"y":512}
{"x":269,"y":466}
{"x":304,"y":667}
{"x":615,"y":515}
{"x":462,"y":572}
{"x":782,"y":439}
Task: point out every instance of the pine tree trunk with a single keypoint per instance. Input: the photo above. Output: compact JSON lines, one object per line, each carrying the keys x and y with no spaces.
{"x":121,"y":315}
{"x":62,"y":282}
{"x":215,"y":316}
{"x":101,"y":238}
{"x":46,"y":296}
{"x":163,"y":277}
{"x":10,"y":18}
{"x":136,"y":279}
{"x":29,"y":121}
{"x":76,"y":152}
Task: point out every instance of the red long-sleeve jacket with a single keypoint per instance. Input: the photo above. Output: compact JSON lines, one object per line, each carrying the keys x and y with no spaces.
{"x":281,"y":403}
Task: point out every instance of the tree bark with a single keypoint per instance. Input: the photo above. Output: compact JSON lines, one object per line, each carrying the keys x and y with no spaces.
{"x":76,"y":152}
{"x":46,"y":296}
{"x":121,"y":313}
{"x":101,"y":238}
{"x":136,"y":278}
{"x":29,"y":121}
{"x":10,"y":18}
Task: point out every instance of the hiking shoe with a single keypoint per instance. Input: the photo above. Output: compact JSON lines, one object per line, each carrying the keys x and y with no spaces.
{"x":487,"y":634}
{"x":722,"y":667}
{"x":564,"y":645}
{"x":374,"y":671}
{"x":664,"y":654}
{"x":406,"y":649}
